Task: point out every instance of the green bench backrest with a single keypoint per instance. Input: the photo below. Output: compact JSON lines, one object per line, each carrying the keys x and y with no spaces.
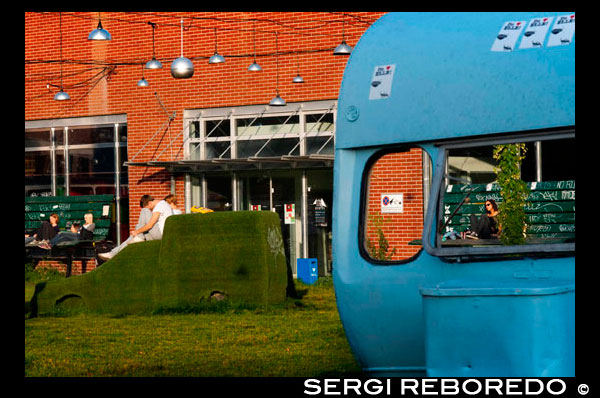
{"x":69,"y":209}
{"x":550,"y":209}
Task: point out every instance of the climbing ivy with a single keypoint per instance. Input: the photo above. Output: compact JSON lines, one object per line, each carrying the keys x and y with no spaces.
{"x":379,"y":251}
{"x":513,"y":190}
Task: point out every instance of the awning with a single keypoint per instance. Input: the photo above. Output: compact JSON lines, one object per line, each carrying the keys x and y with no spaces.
{"x":251,"y":163}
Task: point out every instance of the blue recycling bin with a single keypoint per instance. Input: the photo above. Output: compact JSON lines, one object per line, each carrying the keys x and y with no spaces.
{"x":307,"y":270}
{"x":519,"y":327}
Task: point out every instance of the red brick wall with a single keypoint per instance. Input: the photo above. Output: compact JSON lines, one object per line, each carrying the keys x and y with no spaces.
{"x":76,"y":266}
{"x":397,"y":173}
{"x":221,"y":85}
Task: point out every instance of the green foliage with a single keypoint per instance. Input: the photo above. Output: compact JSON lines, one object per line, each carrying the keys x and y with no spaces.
{"x":379,"y":251}
{"x":513,"y":190}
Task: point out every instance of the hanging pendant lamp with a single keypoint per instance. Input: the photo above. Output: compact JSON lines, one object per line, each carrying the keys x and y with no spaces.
{"x":61,"y":95}
{"x":153,"y":63}
{"x":254,"y":67}
{"x":298,"y":78}
{"x":143,"y":82}
{"x":182,"y":68}
{"x":216,"y":58}
{"x":277,"y":100}
{"x":343,"y":48}
{"x":99,"y":33}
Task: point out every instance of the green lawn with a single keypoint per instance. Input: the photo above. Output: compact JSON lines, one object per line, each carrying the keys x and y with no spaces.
{"x":303,"y":338}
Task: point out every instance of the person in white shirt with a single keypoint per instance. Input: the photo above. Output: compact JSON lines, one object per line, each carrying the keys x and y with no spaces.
{"x":152,"y":229}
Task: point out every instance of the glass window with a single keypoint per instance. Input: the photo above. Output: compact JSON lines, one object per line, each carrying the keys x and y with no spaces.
{"x":90,"y":167}
{"x":214,"y":149}
{"x":318,"y":123}
{"x":37,"y":138}
{"x":91,"y":135}
{"x":274,"y":147}
{"x":38,"y":173}
{"x":274,"y":125}
{"x":218,"y":193}
{"x":473,"y":211}
{"x":217,"y":128}
{"x":394,"y":205}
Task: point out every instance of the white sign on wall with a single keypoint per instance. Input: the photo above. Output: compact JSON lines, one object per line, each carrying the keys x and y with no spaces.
{"x":392,"y":203}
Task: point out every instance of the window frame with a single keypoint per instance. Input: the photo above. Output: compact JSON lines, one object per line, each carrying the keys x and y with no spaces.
{"x":435,"y":207}
{"x":364,"y":192}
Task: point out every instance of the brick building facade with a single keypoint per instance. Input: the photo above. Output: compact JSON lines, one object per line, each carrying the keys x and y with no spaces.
{"x":101,"y":77}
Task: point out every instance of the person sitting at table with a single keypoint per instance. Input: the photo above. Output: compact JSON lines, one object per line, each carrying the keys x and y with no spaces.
{"x":487,"y":225}
{"x":47,"y":230}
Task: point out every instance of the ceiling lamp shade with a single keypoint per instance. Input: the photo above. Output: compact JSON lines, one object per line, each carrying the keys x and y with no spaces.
{"x":254,"y":67}
{"x":216,"y":58}
{"x":99,"y":33}
{"x":343,"y":48}
{"x":277,"y":100}
{"x":182,"y":68}
{"x":143,"y":82}
{"x":153,"y":63}
{"x":61,"y":96}
{"x":298,"y":78}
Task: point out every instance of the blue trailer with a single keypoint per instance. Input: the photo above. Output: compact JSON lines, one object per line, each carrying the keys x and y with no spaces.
{"x":454,"y":85}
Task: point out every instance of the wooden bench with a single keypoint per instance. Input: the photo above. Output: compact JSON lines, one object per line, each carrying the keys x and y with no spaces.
{"x":550,"y":208}
{"x":69,"y":209}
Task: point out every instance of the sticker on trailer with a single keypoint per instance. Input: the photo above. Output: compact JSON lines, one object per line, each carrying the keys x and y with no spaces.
{"x":535,"y":33}
{"x":392,"y":203}
{"x":563,"y":30}
{"x":381,"y":82}
{"x":508,"y":35}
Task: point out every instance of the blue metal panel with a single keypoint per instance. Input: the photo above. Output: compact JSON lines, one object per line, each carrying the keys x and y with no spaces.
{"x":448,"y":83}
{"x":483,"y":328}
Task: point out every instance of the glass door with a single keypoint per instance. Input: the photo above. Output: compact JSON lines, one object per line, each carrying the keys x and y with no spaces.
{"x":287,"y":203}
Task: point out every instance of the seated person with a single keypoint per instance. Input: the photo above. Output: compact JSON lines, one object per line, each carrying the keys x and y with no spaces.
{"x":46,"y":231}
{"x":87,"y":231}
{"x":73,"y":234}
{"x":150,"y":225}
{"x":172,"y":201}
{"x":486,"y":226}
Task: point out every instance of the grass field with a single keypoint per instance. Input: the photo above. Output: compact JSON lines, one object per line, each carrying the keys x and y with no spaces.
{"x":303,"y":338}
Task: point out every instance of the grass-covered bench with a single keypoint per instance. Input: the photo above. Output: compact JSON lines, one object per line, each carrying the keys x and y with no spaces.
{"x":550,"y":208}
{"x":69,"y":209}
{"x":238,"y":256}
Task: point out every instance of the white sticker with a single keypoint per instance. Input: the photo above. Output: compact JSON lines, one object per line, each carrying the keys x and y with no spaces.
{"x":563,"y":30}
{"x":536,"y":32}
{"x":508,"y":35}
{"x":381,"y":83}
{"x":392,"y":203}
{"x":105,"y":210}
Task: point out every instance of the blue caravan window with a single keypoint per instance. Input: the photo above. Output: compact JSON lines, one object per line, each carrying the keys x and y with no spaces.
{"x":471,"y":200}
{"x":396,"y":191}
